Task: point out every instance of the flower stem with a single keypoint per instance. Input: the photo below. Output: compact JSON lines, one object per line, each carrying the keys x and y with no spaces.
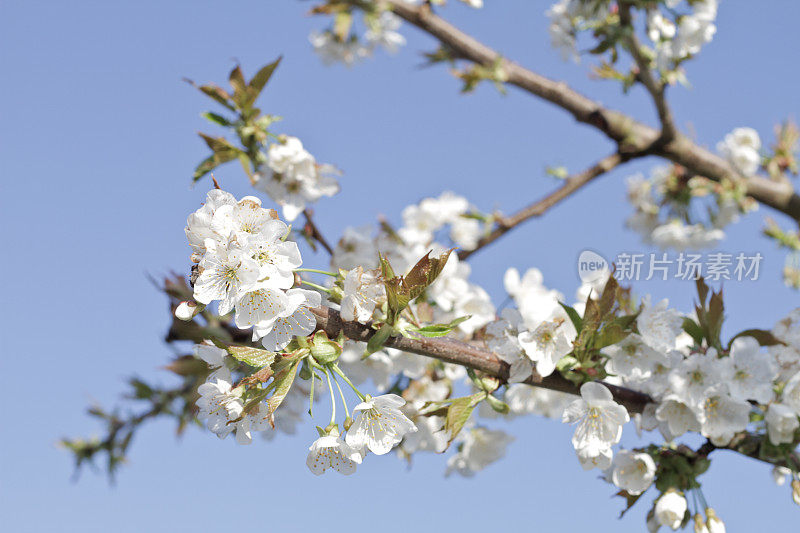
{"x":315,"y":286}
{"x":333,"y":399}
{"x":311,"y":395}
{"x":341,"y":394}
{"x":315,"y":271}
{"x":338,"y":370}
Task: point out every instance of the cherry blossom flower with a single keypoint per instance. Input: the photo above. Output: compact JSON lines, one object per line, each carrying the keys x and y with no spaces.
{"x":300,"y":322}
{"x":658,"y":325}
{"x":380,"y":425}
{"x":598,"y":417}
{"x":546,"y":345}
{"x":362,"y":291}
{"x":226,"y":272}
{"x":723,"y":416}
{"x":330,"y":451}
{"x":218,"y":405}
{"x":633,"y":472}
{"x":670,"y":509}
{"x":781,"y":423}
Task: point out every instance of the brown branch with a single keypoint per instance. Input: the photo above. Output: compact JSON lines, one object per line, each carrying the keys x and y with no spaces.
{"x":312,"y":231}
{"x":645,"y":76}
{"x":538,"y":208}
{"x":632,"y":136}
{"x":465,"y":354}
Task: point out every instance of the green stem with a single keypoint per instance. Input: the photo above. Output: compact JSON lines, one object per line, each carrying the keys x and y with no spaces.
{"x":311,"y":395}
{"x":338,"y":370}
{"x":315,"y":271}
{"x":333,"y":399}
{"x":315,"y":286}
{"x":341,"y":394}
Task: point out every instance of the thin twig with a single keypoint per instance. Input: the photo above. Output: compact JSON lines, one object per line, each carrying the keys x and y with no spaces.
{"x":538,"y":208}
{"x":645,"y":75}
{"x":312,"y":230}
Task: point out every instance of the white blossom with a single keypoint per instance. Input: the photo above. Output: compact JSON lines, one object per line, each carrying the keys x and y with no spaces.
{"x":293,"y":178}
{"x":300,"y":322}
{"x":658,"y":325}
{"x":226,"y":272}
{"x":546,"y":345}
{"x":331,"y":49}
{"x":380,"y":425}
{"x":781,"y":423}
{"x":383,"y":32}
{"x":598,"y":417}
{"x":215,"y":359}
{"x":722,"y":416}
{"x":677,"y":417}
{"x":362,"y":291}
{"x":753,"y":371}
{"x":741,"y":148}
{"x":670,"y":509}
{"x":478,"y":448}
{"x":634,"y":472}
{"x":218,"y":405}
{"x":791,"y":393}
{"x":330,"y":451}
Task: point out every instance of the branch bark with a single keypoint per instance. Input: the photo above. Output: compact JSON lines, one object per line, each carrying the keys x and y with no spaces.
{"x":540,"y":207}
{"x":312,"y":231}
{"x":630,"y":135}
{"x":465,"y":354}
{"x":655,"y":88}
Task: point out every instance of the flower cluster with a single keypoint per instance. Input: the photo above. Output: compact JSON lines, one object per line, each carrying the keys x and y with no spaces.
{"x":741,"y":148}
{"x":245,"y":263}
{"x":568,"y":17}
{"x":452,"y":296}
{"x":665,"y":215}
{"x":682,"y":37}
{"x":292,"y":177}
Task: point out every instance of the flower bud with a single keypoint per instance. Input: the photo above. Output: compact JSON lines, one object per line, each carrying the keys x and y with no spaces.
{"x":347,"y":423}
{"x":714,"y":524}
{"x":699,"y":524}
{"x":186,"y":311}
{"x":324,"y":350}
{"x":796,"y":491}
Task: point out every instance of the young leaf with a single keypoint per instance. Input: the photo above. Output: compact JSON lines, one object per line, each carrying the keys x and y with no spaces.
{"x":259,"y":81}
{"x":283,"y":382}
{"x":764,"y":337}
{"x":252,"y":356}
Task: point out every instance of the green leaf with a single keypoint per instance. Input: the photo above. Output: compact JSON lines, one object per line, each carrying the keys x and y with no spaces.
{"x":439,"y":330}
{"x":259,"y":81}
{"x":693,"y":330}
{"x":217,"y":94}
{"x":375,"y":342}
{"x":283,"y":382}
{"x":216,"y":119}
{"x":252,"y":356}
{"x":573,"y":315}
{"x":458,"y":413}
{"x":764,"y":337}
{"x":236,"y":79}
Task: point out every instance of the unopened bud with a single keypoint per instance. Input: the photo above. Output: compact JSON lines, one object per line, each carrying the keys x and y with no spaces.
{"x":186,"y":311}
{"x":796,"y":491}
{"x":347,"y":423}
{"x":714,"y":524}
{"x":699,"y":524}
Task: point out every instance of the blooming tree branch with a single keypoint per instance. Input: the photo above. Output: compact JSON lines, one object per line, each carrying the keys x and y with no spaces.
{"x":571,"y":184}
{"x":631,"y":135}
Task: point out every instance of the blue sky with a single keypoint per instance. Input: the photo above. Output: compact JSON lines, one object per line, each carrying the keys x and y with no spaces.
{"x":98,"y":143}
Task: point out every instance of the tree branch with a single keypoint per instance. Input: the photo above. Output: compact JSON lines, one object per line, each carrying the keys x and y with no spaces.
{"x":628,"y":133}
{"x":538,"y":208}
{"x":645,"y":75}
{"x":465,"y":354}
{"x":312,"y":231}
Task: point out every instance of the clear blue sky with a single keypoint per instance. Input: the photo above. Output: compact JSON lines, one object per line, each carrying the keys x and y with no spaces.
{"x":98,"y":144}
